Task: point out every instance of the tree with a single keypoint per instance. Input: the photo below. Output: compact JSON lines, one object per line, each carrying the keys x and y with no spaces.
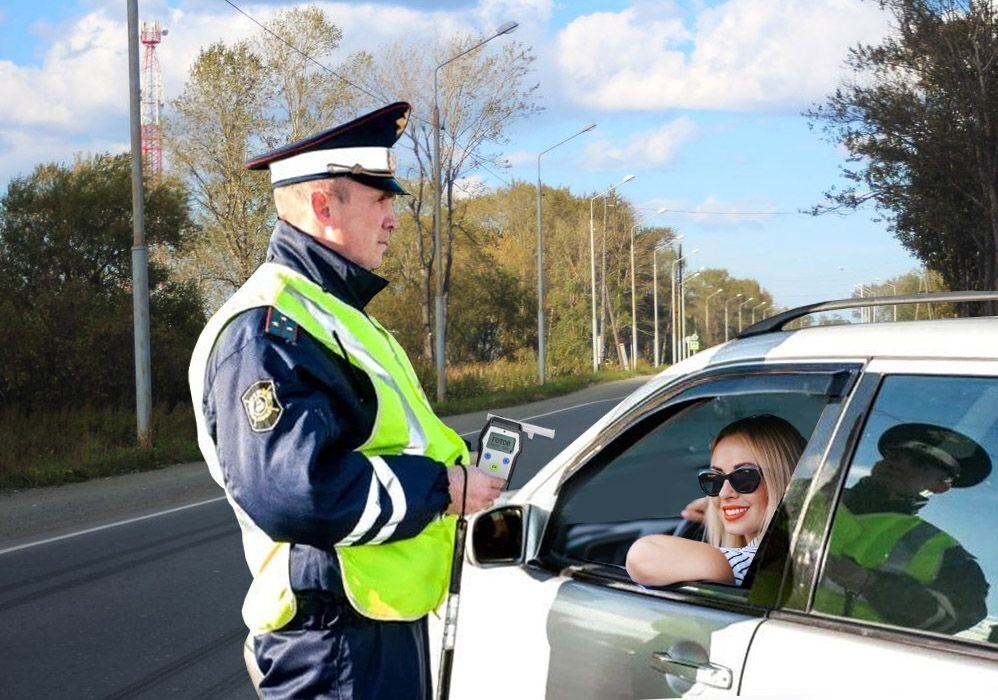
{"x":479,"y":97}
{"x":65,"y":274}
{"x":920,"y":121}
{"x":240,"y":101}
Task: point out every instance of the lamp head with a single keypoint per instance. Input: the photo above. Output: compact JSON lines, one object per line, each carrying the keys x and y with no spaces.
{"x":506,"y":28}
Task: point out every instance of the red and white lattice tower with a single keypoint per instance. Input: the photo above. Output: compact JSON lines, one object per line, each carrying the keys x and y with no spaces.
{"x":152,"y":99}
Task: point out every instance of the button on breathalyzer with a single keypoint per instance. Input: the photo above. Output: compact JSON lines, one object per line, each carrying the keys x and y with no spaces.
{"x":498,"y":448}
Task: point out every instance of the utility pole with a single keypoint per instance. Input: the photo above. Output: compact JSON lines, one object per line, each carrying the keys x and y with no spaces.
{"x":140,"y":255}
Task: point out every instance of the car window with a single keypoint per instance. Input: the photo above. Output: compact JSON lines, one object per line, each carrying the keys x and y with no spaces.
{"x":912,"y":541}
{"x":639,"y":483}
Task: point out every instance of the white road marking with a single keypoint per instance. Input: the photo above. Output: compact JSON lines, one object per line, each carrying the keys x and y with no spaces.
{"x":549,"y":413}
{"x":222,"y":498}
{"x":110,"y":525}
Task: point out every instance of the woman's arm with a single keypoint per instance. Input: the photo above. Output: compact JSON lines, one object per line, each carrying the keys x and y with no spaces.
{"x":658,"y":560}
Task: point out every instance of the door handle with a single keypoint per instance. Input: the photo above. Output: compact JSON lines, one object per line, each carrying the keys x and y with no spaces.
{"x":699,"y":671}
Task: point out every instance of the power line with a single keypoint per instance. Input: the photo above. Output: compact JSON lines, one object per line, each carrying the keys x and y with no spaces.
{"x":346,"y":80}
{"x":299,"y":51}
{"x":740,"y":213}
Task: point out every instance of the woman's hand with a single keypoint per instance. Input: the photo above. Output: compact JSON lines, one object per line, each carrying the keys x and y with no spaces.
{"x":695,"y":511}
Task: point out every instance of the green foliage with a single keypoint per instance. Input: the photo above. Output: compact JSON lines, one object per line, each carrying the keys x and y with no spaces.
{"x":919,"y":124}
{"x":65,"y":275}
{"x":478,"y":98}
{"x":241,"y":100}
{"x":45,"y":447}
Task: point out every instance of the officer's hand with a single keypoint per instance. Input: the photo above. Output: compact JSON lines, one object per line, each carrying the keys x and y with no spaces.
{"x":848,"y":574}
{"x":482,"y":490}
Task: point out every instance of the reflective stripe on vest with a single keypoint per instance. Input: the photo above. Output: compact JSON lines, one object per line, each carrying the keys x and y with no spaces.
{"x":889,"y":542}
{"x":401,"y":580}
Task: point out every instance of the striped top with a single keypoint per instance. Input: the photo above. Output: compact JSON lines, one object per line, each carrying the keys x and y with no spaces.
{"x":740,"y":559}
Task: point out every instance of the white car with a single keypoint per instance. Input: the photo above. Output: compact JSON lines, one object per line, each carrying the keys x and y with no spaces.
{"x":548,"y":611}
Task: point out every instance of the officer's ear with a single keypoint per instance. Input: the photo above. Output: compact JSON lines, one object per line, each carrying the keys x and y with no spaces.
{"x":320,"y":202}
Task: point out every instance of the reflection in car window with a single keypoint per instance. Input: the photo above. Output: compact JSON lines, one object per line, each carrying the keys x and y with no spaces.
{"x":913,"y":536}
{"x":639,"y":484}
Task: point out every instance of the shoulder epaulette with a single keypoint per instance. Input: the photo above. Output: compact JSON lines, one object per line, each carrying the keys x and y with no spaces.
{"x":282,"y":326}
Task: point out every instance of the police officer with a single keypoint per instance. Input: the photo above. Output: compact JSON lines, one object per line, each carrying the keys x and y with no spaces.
{"x":309,"y":414}
{"x":888,"y":564}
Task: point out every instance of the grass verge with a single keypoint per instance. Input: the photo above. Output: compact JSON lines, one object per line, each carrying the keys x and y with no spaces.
{"x":51,"y":447}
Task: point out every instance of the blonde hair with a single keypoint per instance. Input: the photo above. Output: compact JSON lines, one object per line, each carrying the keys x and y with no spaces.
{"x":775,"y":446}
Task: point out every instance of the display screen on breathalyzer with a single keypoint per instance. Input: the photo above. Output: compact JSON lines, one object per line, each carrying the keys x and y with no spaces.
{"x":500,"y":443}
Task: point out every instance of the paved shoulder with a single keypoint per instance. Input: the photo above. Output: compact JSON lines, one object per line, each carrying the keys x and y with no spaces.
{"x":31,"y":515}
{"x":610,"y":392}
{"x":35,"y":514}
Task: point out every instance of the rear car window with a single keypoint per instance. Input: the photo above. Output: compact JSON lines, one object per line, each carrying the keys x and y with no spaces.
{"x":913,"y":535}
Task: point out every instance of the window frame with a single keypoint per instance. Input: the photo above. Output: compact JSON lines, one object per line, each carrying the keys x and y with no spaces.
{"x":841,"y":375}
{"x":815,"y":520}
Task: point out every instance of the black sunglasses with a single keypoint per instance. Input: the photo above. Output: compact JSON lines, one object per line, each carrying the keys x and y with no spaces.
{"x":744,"y":479}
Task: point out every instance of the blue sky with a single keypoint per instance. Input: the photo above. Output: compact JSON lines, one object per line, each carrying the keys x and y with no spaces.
{"x":701,"y":100}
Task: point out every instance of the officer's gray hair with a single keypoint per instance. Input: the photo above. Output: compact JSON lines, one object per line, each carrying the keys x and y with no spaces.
{"x":293,"y":202}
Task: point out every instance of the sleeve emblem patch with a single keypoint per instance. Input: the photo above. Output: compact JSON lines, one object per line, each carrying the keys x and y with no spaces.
{"x":262,"y":407}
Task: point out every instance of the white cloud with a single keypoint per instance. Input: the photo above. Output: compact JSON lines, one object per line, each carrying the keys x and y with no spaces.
{"x":470,"y":186}
{"x":520,"y":158}
{"x":652,"y":149}
{"x":742,"y":54}
{"x":82,"y":75}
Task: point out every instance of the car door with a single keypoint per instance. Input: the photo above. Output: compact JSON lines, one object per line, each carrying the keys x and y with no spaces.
{"x":574,"y":623}
{"x":894,"y":571}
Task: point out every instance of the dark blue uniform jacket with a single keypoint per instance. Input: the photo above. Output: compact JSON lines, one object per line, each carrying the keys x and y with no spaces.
{"x":303,"y":481}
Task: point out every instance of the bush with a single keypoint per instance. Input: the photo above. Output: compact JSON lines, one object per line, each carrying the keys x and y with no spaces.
{"x":44,"y":447}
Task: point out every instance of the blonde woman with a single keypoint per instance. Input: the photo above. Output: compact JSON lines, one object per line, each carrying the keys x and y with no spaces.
{"x":751,"y":461}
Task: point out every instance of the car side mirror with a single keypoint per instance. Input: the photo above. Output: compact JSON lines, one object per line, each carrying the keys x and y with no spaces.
{"x":497,"y":536}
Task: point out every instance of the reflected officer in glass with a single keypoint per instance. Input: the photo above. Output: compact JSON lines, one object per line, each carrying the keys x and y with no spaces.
{"x":888,"y":564}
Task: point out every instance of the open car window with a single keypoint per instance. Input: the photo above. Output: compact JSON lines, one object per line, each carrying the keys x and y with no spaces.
{"x":638,"y":484}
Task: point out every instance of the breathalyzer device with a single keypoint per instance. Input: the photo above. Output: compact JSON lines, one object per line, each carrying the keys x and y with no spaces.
{"x":498,"y":447}
{"x":499,"y":444}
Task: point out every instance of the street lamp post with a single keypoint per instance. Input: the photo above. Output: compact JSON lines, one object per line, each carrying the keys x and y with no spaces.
{"x":654,"y":303}
{"x":758,"y":306}
{"x":654,"y":274}
{"x":673,"y":308}
{"x":706,"y":313}
{"x":740,"y":312}
{"x":862,"y":293}
{"x":634,"y":306}
{"x":727,"y":325}
{"x":438,"y":305}
{"x":592,"y":263}
{"x":684,"y":348}
{"x":894,"y":291}
{"x":540,"y":258}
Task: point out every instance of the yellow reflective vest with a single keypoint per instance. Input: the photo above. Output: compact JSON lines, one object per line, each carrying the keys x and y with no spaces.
{"x":398,"y":580}
{"x":881,"y":542}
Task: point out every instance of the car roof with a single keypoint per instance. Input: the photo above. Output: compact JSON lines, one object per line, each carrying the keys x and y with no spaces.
{"x":944,"y":339}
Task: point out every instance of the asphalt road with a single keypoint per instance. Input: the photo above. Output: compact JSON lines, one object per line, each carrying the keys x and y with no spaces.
{"x":131,"y":587}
